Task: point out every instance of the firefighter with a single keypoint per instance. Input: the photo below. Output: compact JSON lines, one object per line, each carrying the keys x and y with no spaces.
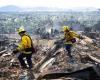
{"x":69,"y":39}
{"x":25,"y":49}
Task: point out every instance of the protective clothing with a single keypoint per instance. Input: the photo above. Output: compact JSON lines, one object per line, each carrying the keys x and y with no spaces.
{"x":65,"y":28}
{"x":70,"y":37}
{"x":21,"y":29}
{"x":25,"y":48}
{"x":28,"y":59}
{"x":26,"y":44}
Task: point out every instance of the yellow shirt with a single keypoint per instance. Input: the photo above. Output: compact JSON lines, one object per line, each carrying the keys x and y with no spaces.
{"x":25,"y":43}
{"x":70,"y":35}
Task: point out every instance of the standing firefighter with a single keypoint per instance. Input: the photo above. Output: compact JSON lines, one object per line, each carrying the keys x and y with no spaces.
{"x":25,"y":48}
{"x":70,"y":39}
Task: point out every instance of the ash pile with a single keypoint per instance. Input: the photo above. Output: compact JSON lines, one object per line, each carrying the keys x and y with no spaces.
{"x":52,"y":59}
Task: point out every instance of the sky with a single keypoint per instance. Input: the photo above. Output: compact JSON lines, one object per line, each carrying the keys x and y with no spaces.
{"x":51,"y":3}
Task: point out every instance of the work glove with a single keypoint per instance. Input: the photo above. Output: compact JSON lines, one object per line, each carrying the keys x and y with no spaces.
{"x":15,"y":51}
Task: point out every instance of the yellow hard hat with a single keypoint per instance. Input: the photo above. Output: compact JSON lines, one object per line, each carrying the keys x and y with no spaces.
{"x":21,"y":29}
{"x":65,"y":28}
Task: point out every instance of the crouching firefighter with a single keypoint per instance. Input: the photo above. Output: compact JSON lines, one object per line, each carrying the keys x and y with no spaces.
{"x":25,"y":49}
{"x":69,"y":39}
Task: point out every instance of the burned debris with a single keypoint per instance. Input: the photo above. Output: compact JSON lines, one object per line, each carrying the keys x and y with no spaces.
{"x":51,"y":60}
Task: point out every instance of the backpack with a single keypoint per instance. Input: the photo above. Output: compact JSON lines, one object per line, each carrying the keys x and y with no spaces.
{"x":33,"y":49}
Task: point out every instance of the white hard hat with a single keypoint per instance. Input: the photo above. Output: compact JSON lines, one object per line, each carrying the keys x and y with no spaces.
{"x":21,"y":29}
{"x":65,"y":28}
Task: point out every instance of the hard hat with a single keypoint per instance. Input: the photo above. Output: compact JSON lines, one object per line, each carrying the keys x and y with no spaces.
{"x":21,"y":29}
{"x":65,"y":28}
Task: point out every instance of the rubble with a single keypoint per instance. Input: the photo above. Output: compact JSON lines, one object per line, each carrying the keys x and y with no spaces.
{"x":49,"y":58}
